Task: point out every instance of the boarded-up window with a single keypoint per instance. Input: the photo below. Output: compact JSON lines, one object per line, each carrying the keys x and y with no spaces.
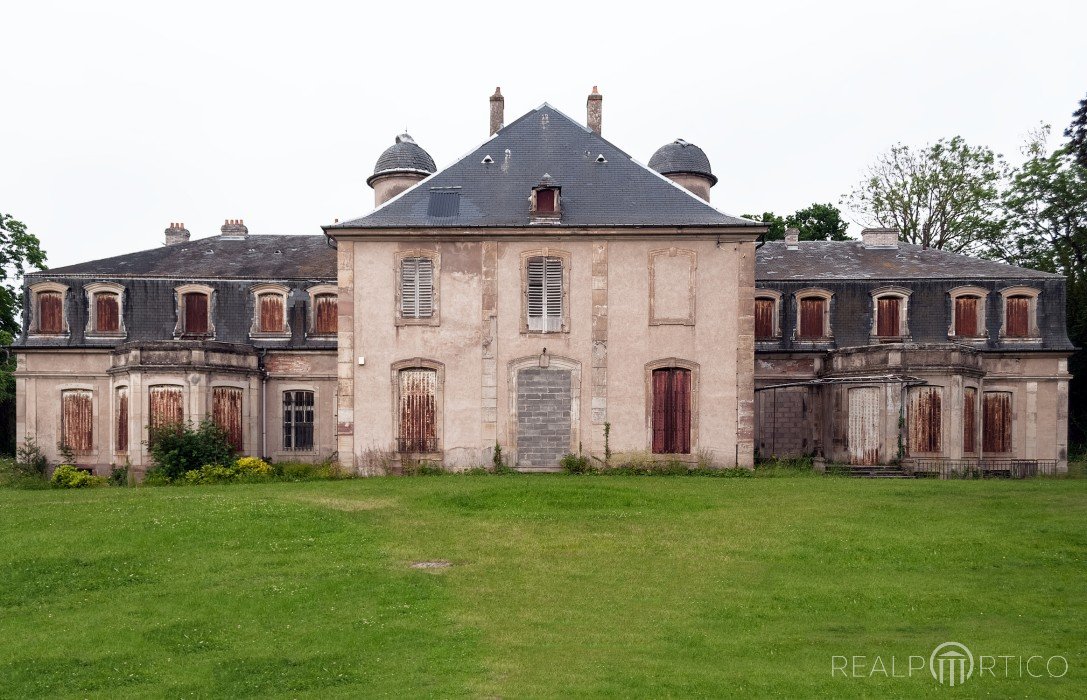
{"x":271,"y":313}
{"x":107,"y":312}
{"x":887,"y":319}
{"x":226,"y":411}
{"x":969,"y":420}
{"x":298,"y":420}
{"x":1017,"y":317}
{"x":764,"y":319}
{"x":122,"y":420}
{"x":544,"y":294}
{"x":811,"y":318}
{"x":166,"y":406}
{"x":196,"y":313}
{"x":77,"y":420}
{"x":416,"y":288}
{"x":324,"y":322}
{"x":50,"y":312}
{"x":924,"y":420}
{"x":865,"y":411}
{"x":966,"y":317}
{"x":672,"y":411}
{"x":996,"y":422}
{"x":545,"y":200}
{"x":418,"y":430}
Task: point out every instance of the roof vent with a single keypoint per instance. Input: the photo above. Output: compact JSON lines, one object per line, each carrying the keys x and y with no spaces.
{"x":601,"y":159}
{"x":880,"y":237}
{"x":487,"y":160}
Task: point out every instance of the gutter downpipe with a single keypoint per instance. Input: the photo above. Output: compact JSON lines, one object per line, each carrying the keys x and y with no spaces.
{"x":263,"y":404}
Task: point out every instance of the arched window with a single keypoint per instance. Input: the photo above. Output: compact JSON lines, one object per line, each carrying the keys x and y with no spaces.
{"x":890,"y":313}
{"x":1020,"y":313}
{"x":967,"y":313}
{"x":104,"y":303}
{"x":767,"y":314}
{"x":418,"y":399}
{"x":194,"y":311}
{"x":270,"y":311}
{"x":813,"y":314}
{"x":48,"y":315}
{"x":324,"y":302}
{"x":672,"y":410}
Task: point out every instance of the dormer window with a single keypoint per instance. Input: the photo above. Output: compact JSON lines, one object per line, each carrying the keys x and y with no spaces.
{"x":48,"y":317}
{"x":1020,"y":317}
{"x":967,"y":313}
{"x":270,"y":311}
{"x":890,"y":314}
{"x":545,"y":199}
{"x":105,"y":302}
{"x":194,"y":311}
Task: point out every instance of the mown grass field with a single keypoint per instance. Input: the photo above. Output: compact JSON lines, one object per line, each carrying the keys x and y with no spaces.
{"x":558,"y":586}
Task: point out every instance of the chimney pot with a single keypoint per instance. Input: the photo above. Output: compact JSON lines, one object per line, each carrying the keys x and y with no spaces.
{"x":792,"y":239}
{"x":498,"y":110}
{"x":234,"y":228}
{"x":593,"y":109}
{"x":177,"y":233}
{"x":880,"y":237}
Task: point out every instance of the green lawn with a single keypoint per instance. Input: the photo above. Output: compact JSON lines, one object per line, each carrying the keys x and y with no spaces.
{"x":558,"y":586}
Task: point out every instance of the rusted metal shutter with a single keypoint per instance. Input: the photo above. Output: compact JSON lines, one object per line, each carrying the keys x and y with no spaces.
{"x":764,"y":319}
{"x":298,"y":417}
{"x":544,"y":294}
{"x":196,"y":313}
{"x":996,"y":422}
{"x":50,"y":312}
{"x":122,"y":419}
{"x":418,"y":410}
{"x":672,"y":411}
{"x":969,"y":419}
{"x":966,"y":317}
{"x":325,"y":320}
{"x":271,"y":313}
{"x":107,"y":312}
{"x":811,"y":318}
{"x":887,"y":310}
{"x":924,"y":420}
{"x":864,"y":414}
{"x":166,"y":405}
{"x":416,"y":288}
{"x":77,"y":420}
{"x":1017,"y":317}
{"x":545,"y":200}
{"x":226,"y":411}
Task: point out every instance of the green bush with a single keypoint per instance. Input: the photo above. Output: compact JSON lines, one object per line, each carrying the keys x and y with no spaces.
{"x":575,"y":464}
{"x":67,"y":476}
{"x":30,"y":461}
{"x":211,"y":474}
{"x":118,"y":476}
{"x":178,"y":448}
{"x":252,"y":466}
{"x":308,"y":471}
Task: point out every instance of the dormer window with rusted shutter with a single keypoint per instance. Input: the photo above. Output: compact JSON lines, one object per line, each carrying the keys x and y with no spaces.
{"x":194,"y":306}
{"x":48,"y":315}
{"x":417,"y":288}
{"x":270,"y":311}
{"x":324,"y":318}
{"x":105,"y":317}
{"x":1020,"y":317}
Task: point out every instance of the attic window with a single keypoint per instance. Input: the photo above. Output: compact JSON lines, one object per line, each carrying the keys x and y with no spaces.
{"x":443,"y":204}
{"x":545,"y":201}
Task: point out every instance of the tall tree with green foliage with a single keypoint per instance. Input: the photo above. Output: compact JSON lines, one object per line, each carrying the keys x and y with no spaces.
{"x":777,"y":224}
{"x":818,"y":222}
{"x":943,"y":195}
{"x":1077,"y":133}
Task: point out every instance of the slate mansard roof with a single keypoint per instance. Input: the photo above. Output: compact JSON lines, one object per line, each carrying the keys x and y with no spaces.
{"x":601,"y":185}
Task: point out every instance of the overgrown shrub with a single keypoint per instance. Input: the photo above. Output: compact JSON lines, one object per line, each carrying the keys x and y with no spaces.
{"x":30,"y":460}
{"x":498,"y":462}
{"x":252,"y":466}
{"x":67,"y":476}
{"x":411,"y":467}
{"x":118,"y":476}
{"x":211,"y":474}
{"x":575,"y":464}
{"x":179,"y":448}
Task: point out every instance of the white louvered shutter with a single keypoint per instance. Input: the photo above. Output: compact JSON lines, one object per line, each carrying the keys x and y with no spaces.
{"x":416,"y":288}
{"x":536,"y":294}
{"x":553,"y":294}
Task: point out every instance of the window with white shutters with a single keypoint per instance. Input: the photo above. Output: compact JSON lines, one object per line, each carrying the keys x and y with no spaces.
{"x":416,"y":288}
{"x":544,"y":294}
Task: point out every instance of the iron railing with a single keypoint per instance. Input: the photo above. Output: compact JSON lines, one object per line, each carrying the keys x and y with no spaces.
{"x":980,"y":468}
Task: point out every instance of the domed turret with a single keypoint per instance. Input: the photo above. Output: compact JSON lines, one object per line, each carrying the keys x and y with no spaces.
{"x":401,"y":165}
{"x":685,"y":164}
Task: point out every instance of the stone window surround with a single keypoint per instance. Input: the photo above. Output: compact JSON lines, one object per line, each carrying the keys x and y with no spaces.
{"x":92,"y":290}
{"x":775,"y":296}
{"x":565,"y":257}
{"x":38,"y":288}
{"x":999,"y":387}
{"x":903,"y":295}
{"x":282,"y":389}
{"x":179,"y":300}
{"x":814,"y":293}
{"x":436,"y":260}
{"x":95,"y":437}
{"x":283,"y":292}
{"x":439,"y":401}
{"x":672,"y":252}
{"x":314,"y":292}
{"x":1032,"y":293}
{"x":982,"y":295}
{"x":548,"y":362}
{"x":695,"y":370}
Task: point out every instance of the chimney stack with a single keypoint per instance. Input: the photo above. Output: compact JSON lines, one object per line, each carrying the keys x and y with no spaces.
{"x":792,"y":239}
{"x":234,"y":228}
{"x":498,"y":110}
{"x":880,"y":237}
{"x":177,"y":233}
{"x":593,"y":106}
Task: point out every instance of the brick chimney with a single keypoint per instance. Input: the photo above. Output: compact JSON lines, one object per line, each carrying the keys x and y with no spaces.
{"x":880,"y":237}
{"x":234,"y":228}
{"x":498,"y":110}
{"x":792,"y":239}
{"x":177,"y":233}
{"x":593,"y":109}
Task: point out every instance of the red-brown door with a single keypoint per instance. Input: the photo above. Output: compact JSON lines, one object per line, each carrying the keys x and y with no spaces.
{"x":672,"y":411}
{"x":196,"y":313}
{"x":1017,"y":317}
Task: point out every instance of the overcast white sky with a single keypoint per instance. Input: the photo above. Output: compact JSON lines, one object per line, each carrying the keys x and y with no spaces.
{"x":118,"y":118}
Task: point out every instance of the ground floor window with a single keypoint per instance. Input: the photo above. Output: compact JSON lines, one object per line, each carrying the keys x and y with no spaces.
{"x":970,"y":420}
{"x":122,"y":419}
{"x":997,"y":422}
{"x":924,"y":419}
{"x":298,"y":420}
{"x":226,"y":411}
{"x":166,"y":405}
{"x":418,"y":410}
{"x":672,"y":410}
{"x":77,"y":420}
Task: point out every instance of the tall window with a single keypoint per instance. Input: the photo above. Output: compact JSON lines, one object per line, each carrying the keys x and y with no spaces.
{"x":226,"y":411}
{"x":166,"y":405}
{"x":50,"y":312}
{"x":325,"y":314}
{"x":966,"y":316}
{"x":812,"y":323}
{"x":195,"y":313}
{"x":122,"y":419}
{"x":77,"y":420}
{"x":925,"y":420}
{"x":416,"y":288}
{"x":970,"y":420}
{"x":545,"y":294}
{"x":765,"y":319}
{"x":996,"y":426}
{"x":1017,"y":316}
{"x":888,"y":317}
{"x":672,"y":410}
{"x":298,"y":420}
{"x":418,"y":427}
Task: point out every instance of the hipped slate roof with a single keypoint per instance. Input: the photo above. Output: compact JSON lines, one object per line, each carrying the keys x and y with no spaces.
{"x":254,"y":257}
{"x":601,"y":185}
{"x":850,"y":260}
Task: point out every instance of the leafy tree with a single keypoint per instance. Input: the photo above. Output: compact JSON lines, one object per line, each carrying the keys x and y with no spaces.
{"x":777,"y":224}
{"x":944,"y":195}
{"x":819,"y":222}
{"x":1077,"y":132}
